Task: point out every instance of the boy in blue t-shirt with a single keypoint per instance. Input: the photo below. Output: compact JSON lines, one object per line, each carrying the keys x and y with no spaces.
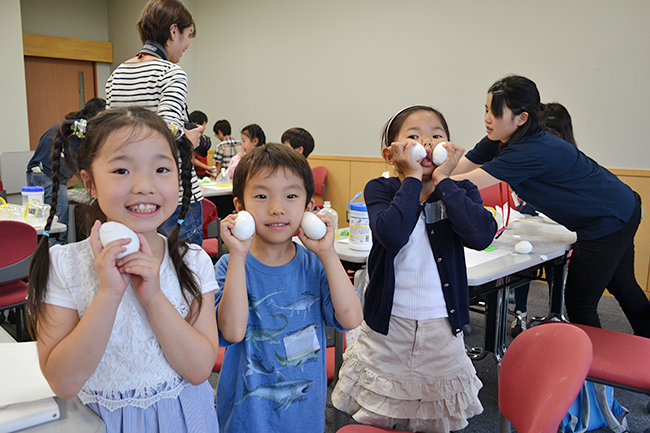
{"x":277,"y":297}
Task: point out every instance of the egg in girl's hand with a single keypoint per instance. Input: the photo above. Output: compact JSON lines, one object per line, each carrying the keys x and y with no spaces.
{"x":313,"y":226}
{"x":439,"y":154}
{"x":244,"y":225}
{"x":112,"y":230}
{"x":418,"y":152}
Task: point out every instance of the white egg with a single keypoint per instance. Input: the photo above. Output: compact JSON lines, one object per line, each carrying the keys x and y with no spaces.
{"x":523,"y":247}
{"x":112,"y":230}
{"x":313,"y":226}
{"x":439,"y":154}
{"x":244,"y":226}
{"x":418,"y":152}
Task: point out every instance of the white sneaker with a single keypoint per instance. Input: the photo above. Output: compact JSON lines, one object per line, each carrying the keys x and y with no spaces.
{"x":518,"y":325}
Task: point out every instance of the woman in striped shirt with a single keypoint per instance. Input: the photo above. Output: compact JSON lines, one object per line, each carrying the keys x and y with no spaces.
{"x":152,"y":79}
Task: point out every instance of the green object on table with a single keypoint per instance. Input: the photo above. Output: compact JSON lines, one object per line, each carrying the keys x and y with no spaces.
{"x":490,"y":248}
{"x":345,"y":233}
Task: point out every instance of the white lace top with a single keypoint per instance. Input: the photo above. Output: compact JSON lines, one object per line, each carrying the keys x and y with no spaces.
{"x":133,"y":370}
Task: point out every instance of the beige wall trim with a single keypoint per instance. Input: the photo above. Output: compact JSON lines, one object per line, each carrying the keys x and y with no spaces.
{"x":630,"y":172}
{"x":67,"y":48}
{"x":346,"y":158}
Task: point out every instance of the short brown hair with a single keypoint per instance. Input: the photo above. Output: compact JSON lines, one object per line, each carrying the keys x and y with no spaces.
{"x":159,"y":15}
{"x":271,"y":158}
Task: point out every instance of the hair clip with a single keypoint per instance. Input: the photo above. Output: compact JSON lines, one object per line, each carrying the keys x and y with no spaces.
{"x":180,"y":222}
{"x":175,"y":130}
{"x":46,"y":233}
{"x":79,"y":127}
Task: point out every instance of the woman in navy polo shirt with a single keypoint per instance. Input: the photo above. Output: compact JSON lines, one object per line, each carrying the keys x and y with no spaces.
{"x":569,"y":187}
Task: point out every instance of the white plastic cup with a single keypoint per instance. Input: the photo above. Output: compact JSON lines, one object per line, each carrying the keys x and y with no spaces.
{"x":360,"y":234}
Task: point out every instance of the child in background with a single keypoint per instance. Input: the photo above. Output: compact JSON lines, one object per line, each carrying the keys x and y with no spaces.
{"x":277,"y":298}
{"x":200,"y":161}
{"x":228,"y":147}
{"x":134,"y":338}
{"x":556,"y":119}
{"x":408,"y":368}
{"x":251,"y":137}
{"x":298,"y":139}
{"x":39,"y":168}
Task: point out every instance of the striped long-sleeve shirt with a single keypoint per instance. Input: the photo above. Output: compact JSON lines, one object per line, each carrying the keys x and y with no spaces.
{"x":158,"y":85}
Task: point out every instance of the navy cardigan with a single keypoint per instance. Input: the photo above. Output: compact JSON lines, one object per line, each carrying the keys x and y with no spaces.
{"x":393,"y":208}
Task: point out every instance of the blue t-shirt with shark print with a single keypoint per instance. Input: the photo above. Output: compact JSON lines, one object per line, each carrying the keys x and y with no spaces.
{"x":275,"y":379}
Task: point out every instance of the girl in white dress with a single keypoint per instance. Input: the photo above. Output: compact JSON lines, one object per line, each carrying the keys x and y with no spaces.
{"x":134,"y":338}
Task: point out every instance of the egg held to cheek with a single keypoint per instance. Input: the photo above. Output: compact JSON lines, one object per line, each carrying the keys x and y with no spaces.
{"x":418,"y":152}
{"x":313,"y":226}
{"x":439,"y":154}
{"x":244,"y":226}
{"x":112,"y":230}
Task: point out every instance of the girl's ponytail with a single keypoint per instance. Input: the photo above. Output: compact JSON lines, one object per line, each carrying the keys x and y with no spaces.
{"x":178,"y":247}
{"x":39,"y":267}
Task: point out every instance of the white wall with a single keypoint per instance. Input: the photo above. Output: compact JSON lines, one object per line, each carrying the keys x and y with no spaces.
{"x":341,"y":68}
{"x":13,"y":110}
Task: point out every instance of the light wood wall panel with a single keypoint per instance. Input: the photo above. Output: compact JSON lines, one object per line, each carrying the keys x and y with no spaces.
{"x":639,"y":180}
{"x":67,"y":48}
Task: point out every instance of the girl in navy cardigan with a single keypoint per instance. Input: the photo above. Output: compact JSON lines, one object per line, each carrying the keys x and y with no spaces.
{"x":408,"y":368}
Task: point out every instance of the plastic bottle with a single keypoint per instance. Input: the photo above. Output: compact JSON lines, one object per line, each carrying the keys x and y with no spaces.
{"x":360,"y":234}
{"x":222,"y":178}
{"x":331,"y":214}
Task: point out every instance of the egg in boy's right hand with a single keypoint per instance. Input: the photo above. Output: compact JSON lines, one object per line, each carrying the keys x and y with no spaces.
{"x":244,"y":226}
{"x":112,"y":230}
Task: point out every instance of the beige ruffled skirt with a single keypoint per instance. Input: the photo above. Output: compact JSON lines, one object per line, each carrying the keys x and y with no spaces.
{"x":417,"y":378}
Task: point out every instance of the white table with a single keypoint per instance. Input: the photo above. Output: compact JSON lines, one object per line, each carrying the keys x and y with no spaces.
{"x":493,"y":279}
{"x":57,"y":227}
{"x":75,"y":416}
{"x":344,"y":251}
{"x":212,"y":190}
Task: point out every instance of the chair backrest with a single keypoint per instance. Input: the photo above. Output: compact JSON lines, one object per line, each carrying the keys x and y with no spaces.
{"x":18,"y":242}
{"x":209,"y":214}
{"x":541,"y":375}
{"x":320,"y":173}
{"x":497,"y":195}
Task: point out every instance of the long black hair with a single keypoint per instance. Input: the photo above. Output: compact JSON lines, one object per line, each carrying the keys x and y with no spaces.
{"x":557,"y":120}
{"x":520,"y":95}
{"x":99,"y":128}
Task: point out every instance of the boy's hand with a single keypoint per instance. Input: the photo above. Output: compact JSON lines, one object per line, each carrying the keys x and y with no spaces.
{"x":403,"y":159}
{"x":235,"y":246}
{"x":444,"y":170}
{"x":144,"y":268}
{"x":322,"y":245}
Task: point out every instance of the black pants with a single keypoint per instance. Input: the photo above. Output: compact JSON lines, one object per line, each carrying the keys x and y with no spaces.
{"x":607,"y":263}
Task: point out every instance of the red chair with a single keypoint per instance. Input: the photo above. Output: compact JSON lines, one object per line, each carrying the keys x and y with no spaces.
{"x":211,"y":230}
{"x":320,"y":173}
{"x":219,"y":362}
{"x":541,"y":375}
{"x":620,"y":360}
{"x":19,"y":241}
{"x":497,"y":195}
